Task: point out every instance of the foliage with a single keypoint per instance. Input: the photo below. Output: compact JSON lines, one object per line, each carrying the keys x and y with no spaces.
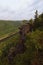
{"x":33,"y":42}
{"x":8,"y":27}
{"x":38,"y":21}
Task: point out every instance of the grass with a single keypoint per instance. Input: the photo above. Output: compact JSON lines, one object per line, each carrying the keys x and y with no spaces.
{"x":8,"y":27}
{"x":11,"y":41}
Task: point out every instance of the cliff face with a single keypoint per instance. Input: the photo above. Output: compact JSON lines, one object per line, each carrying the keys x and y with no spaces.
{"x":24,"y":29}
{"x":20,"y":48}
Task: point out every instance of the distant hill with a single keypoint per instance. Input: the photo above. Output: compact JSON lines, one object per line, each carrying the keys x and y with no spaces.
{"x":7,"y":27}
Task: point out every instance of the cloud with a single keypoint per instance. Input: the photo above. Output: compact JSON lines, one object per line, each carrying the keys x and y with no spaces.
{"x":19,"y":9}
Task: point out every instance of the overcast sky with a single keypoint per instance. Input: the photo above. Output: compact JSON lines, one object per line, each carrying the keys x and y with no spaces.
{"x":19,"y":9}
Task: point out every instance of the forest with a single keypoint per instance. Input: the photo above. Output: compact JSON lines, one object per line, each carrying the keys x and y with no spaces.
{"x":25,"y":47}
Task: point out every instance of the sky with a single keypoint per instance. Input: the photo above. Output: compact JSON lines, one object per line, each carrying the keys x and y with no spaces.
{"x":19,"y":9}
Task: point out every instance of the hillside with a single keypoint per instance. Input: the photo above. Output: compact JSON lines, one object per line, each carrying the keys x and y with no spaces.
{"x":8,"y":27}
{"x":25,"y":47}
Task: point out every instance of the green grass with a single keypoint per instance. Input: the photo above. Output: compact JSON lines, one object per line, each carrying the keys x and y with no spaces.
{"x":7,"y":27}
{"x":9,"y":42}
{"x":5,"y":46}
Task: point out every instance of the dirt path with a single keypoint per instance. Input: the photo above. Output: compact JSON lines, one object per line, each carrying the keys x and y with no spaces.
{"x":7,"y":37}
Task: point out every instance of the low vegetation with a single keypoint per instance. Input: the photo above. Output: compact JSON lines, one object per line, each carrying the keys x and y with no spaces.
{"x":33,"y":54}
{"x":8,"y":27}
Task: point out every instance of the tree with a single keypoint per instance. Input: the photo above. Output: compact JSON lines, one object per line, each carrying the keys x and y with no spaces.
{"x":25,"y":21}
{"x":36,"y":20}
{"x":41,"y":21}
{"x":36,"y":15}
{"x":31,"y":21}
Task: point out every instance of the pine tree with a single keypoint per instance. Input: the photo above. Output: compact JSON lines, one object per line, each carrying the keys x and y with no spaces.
{"x":36,"y":20}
